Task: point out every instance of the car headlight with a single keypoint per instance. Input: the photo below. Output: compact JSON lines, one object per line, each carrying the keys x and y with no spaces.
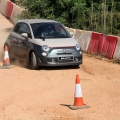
{"x":77,"y":47}
{"x":45,"y":48}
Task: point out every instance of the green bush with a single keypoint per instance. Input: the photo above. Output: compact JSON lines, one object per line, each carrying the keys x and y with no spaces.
{"x":81,"y":14}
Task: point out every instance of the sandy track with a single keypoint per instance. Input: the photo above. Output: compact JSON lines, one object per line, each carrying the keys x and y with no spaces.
{"x":45,"y":94}
{"x":5,"y":28}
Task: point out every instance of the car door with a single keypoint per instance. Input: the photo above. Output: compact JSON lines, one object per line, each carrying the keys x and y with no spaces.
{"x":23,"y":43}
{"x":14,"y":41}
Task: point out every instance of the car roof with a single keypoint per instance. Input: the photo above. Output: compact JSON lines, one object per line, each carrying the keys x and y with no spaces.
{"x":29,"y":21}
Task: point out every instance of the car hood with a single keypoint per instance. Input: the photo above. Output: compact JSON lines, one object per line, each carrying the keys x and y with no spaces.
{"x":59,"y":42}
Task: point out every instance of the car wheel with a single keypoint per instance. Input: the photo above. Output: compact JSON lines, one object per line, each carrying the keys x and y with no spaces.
{"x":33,"y":61}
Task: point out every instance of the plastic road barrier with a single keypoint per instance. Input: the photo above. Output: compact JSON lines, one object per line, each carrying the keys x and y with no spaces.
{"x":3,"y":5}
{"x":117,"y":50}
{"x":83,"y":38}
{"x":96,"y":43}
{"x":71,"y":30}
{"x":15,"y":12}
{"x":109,"y":46}
{"x":9,"y":9}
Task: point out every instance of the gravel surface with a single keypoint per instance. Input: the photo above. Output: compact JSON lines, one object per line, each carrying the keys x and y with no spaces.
{"x":46,"y":94}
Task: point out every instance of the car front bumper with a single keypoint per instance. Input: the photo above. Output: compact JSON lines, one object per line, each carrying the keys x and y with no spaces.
{"x":60,"y":61}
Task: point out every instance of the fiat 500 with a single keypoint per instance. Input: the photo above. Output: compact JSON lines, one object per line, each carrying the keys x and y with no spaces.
{"x":41,"y":42}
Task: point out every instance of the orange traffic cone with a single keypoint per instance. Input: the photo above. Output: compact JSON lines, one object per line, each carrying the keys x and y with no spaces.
{"x":6,"y":61}
{"x":78,"y":100}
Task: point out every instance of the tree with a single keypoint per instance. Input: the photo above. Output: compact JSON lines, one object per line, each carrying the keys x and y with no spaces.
{"x":94,"y":15}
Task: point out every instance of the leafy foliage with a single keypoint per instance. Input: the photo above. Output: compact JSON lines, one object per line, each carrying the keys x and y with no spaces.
{"x":94,"y":15}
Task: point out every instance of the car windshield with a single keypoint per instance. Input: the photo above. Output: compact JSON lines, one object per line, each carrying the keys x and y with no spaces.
{"x":49,"y":30}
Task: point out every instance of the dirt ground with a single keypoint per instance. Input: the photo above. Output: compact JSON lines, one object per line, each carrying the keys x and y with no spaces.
{"x":46,"y":94}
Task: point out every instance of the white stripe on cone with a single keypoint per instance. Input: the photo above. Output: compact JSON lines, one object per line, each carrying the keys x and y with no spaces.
{"x":6,"y":55}
{"x":78,"y":90}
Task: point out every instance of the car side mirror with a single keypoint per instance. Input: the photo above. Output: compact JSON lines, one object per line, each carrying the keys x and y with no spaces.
{"x":25,"y":35}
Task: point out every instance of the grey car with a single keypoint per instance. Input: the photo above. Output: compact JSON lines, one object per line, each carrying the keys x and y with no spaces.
{"x":41,"y":42}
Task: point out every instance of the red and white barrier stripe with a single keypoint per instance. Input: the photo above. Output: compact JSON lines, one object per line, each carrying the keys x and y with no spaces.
{"x":15,"y":13}
{"x":9,"y":9}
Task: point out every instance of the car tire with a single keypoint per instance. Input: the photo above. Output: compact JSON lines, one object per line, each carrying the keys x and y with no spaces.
{"x":33,"y":61}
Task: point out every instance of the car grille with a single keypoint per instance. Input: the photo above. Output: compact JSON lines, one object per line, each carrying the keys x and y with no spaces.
{"x":67,"y":59}
{"x":64,"y":53}
{"x":60,"y":60}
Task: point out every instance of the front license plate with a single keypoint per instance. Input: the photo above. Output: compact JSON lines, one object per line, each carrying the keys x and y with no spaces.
{"x":66,"y":58}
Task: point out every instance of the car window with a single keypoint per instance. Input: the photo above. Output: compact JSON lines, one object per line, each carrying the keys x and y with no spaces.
{"x":49,"y":30}
{"x":16,"y":28}
{"x":22,"y":28}
{"x":60,"y":29}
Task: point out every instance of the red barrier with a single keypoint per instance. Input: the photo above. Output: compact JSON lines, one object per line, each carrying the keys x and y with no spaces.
{"x":105,"y":47}
{"x":9,"y":9}
{"x":109,"y":46}
{"x":96,"y":43}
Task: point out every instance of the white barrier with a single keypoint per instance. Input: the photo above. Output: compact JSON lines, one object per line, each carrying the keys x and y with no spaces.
{"x":15,"y":12}
{"x":71,"y":30}
{"x":117,"y":51}
{"x":83,"y":38}
{"x":78,"y":33}
{"x":3,"y":6}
